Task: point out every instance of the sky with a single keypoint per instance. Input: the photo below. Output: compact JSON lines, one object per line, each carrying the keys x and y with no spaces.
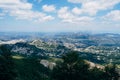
{"x":60,"y":15}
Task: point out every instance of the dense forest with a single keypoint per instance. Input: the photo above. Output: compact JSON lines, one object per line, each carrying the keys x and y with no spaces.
{"x":70,"y":67}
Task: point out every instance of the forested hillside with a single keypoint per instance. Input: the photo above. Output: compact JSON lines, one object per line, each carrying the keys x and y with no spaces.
{"x":70,"y":67}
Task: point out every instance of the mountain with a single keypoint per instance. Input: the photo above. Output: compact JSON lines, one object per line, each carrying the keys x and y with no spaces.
{"x":98,"y":48}
{"x":50,"y":48}
{"x":35,"y":47}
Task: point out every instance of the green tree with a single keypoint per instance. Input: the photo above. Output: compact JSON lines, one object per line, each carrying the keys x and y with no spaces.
{"x":31,"y":69}
{"x":111,"y":72}
{"x":72,"y":68}
{"x":7,"y":66}
{"x":96,"y":74}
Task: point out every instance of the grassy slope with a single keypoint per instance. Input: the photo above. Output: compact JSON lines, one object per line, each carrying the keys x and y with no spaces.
{"x":30,"y":69}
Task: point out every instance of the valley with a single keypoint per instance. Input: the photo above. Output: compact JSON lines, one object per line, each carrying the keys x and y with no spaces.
{"x":40,"y":56}
{"x":97,"y":48}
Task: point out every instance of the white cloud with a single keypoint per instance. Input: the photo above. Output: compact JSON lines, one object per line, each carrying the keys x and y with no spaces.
{"x":65,"y":15}
{"x":30,"y":15}
{"x":113,"y":16}
{"x":44,"y":19}
{"x":91,"y":7}
{"x":69,"y":17}
{"x":77,"y":1}
{"x":21,"y":9}
{"x":77,"y":11}
{"x":48,"y":18}
{"x":2,"y":14}
{"x":38,"y":1}
{"x":15,"y":4}
{"x":48,"y":8}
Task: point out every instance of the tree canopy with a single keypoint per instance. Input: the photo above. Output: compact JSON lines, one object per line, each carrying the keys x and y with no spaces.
{"x":74,"y":68}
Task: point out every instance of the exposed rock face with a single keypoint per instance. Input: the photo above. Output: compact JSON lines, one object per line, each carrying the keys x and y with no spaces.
{"x":48,"y":64}
{"x":12,"y":41}
{"x":92,"y":65}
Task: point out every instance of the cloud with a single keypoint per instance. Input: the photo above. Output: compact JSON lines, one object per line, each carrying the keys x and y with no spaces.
{"x":48,"y":8}
{"x":77,"y":11}
{"x":77,"y":1}
{"x":91,"y":7}
{"x":38,"y":1}
{"x":14,"y":4}
{"x":21,"y":9}
{"x":44,"y":19}
{"x":113,"y":16}
{"x":2,"y":14}
{"x":67,"y":16}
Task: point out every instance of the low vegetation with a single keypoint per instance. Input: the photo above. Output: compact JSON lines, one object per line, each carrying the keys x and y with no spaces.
{"x":69,"y":67}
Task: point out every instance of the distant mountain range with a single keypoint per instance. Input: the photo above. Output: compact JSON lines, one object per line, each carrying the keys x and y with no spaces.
{"x":98,"y":48}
